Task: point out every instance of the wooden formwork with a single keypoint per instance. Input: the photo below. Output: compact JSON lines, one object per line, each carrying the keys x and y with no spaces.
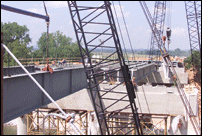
{"x":55,"y":125}
{"x":151,"y":124}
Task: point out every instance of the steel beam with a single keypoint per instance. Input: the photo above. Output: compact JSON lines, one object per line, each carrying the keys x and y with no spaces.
{"x":22,"y":95}
{"x":16,"y":10}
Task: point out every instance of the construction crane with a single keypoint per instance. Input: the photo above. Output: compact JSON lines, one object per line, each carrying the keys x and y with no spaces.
{"x":83,"y":18}
{"x":193,"y":15}
{"x":168,"y":22}
{"x":158,"y":24}
{"x":167,"y":60}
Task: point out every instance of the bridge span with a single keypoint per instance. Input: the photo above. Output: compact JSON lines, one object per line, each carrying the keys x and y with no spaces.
{"x":21,"y":95}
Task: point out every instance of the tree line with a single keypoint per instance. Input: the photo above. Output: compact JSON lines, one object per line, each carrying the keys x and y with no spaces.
{"x":175,"y":52}
{"x":17,"y":39}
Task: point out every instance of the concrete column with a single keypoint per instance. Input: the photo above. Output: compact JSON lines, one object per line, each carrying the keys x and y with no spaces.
{"x":22,"y":125}
{"x":117,"y":79}
{"x":165,"y":69}
{"x":192,"y":98}
{"x":178,"y":126}
{"x":104,"y":82}
{"x":131,"y":73}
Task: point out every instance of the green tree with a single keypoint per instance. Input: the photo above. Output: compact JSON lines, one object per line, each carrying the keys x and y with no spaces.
{"x":13,"y":32}
{"x":59,"y":46}
{"x":196,"y":60}
{"x":177,"y":52}
{"x":196,"y":64}
{"x":16,"y":38}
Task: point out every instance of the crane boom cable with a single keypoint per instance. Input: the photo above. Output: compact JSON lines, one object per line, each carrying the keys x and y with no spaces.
{"x":127,"y":30}
{"x":120,"y":31}
{"x":47,"y":33}
{"x":130,"y":46}
{"x":168,"y":22}
{"x":166,"y":57}
{"x":169,"y":13}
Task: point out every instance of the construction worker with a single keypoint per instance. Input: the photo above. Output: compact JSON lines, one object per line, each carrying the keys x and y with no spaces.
{"x":53,"y":63}
{"x":62,"y":62}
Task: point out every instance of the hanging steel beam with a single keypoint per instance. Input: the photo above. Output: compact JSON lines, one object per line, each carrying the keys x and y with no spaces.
{"x":16,"y":10}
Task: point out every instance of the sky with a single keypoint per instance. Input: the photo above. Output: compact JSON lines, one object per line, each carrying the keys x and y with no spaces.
{"x":137,"y":25}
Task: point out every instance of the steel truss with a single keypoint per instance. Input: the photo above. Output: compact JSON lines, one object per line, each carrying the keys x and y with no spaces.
{"x":90,"y":25}
{"x":174,"y":76}
{"x":158,"y":24}
{"x":193,"y":15}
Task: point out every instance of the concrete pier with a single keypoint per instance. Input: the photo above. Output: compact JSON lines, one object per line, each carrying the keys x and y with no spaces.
{"x":22,"y":125}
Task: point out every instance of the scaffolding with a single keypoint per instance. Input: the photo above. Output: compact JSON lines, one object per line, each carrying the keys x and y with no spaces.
{"x":152,"y":124}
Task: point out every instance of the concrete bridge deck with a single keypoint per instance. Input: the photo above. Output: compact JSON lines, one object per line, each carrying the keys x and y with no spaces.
{"x":22,"y":96}
{"x":149,"y":100}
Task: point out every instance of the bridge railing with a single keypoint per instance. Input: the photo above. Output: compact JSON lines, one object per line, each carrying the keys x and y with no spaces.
{"x":41,"y":61}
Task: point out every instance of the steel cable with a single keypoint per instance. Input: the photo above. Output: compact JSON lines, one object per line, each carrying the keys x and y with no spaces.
{"x":127,"y":31}
{"x":120,"y":31}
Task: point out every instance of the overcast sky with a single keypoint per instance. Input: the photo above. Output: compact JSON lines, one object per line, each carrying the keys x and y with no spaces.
{"x":137,"y":25}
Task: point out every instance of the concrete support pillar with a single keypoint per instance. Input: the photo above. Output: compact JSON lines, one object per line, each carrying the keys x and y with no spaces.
{"x":117,"y":79}
{"x":178,"y":126}
{"x":165,"y":69}
{"x":192,"y":98}
{"x":132,"y":73}
{"x":104,"y":77}
{"x":22,"y":125}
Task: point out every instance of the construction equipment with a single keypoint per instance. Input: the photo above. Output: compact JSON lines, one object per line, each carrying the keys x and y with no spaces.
{"x":167,"y":60}
{"x":83,"y":18}
{"x":193,"y":15}
{"x":168,"y":22}
{"x":158,"y":24}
